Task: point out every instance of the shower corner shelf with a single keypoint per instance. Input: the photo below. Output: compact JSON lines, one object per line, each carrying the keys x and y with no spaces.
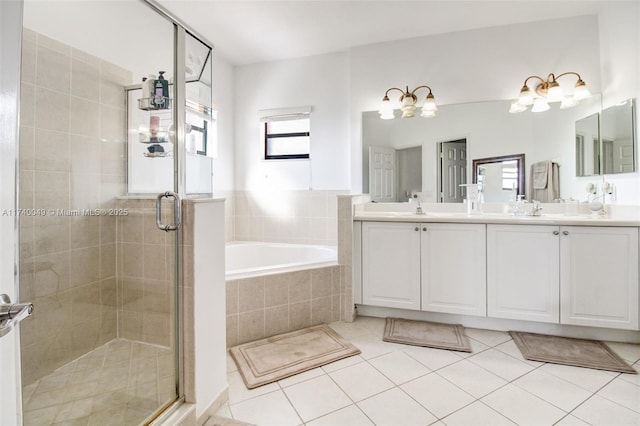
{"x":154,"y":103}
{"x":157,"y":154}
{"x":152,"y":141}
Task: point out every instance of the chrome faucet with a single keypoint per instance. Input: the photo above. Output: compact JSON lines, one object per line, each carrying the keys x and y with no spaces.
{"x":419,"y":208}
{"x":535,"y":210}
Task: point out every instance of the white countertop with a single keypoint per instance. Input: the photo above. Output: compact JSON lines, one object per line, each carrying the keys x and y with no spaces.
{"x":375,"y":213}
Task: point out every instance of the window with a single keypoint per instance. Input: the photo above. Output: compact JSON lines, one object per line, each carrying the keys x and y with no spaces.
{"x":287,"y":135}
{"x":509,"y":174}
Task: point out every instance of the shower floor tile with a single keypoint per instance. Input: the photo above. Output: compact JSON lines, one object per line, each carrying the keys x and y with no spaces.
{"x":120,"y":382}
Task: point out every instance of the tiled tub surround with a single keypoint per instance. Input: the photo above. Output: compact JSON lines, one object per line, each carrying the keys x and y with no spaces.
{"x":71,"y":157}
{"x":299,"y":217}
{"x":346,"y":240}
{"x":263,"y":306}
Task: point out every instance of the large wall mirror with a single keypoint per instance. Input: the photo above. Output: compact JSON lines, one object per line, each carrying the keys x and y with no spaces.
{"x":489,"y":131}
{"x":606,"y":141}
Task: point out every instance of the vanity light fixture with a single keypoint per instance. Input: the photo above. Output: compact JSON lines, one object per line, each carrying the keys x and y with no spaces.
{"x":548,"y":91}
{"x":408,"y":100}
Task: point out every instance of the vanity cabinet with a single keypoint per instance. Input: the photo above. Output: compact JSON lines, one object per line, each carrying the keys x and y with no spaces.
{"x":391,"y":264}
{"x":523,"y":272}
{"x":453,"y":268}
{"x":577,"y":275}
{"x":435,"y":267}
{"x":599,"y":276}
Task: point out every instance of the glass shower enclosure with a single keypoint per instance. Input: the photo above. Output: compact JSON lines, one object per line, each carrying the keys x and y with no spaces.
{"x":102,"y":164}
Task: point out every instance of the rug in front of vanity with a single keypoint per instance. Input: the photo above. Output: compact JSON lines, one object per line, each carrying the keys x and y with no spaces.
{"x":569,"y":351}
{"x":425,"y":333}
{"x":274,"y":358}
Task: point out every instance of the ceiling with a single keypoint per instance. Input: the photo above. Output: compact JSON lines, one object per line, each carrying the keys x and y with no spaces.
{"x":250,"y":31}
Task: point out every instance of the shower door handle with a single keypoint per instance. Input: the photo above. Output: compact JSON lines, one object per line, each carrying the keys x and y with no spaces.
{"x":12,"y":313}
{"x":177,"y":211}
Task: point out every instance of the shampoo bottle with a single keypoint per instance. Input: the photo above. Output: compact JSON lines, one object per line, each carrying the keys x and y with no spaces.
{"x":146,"y":94}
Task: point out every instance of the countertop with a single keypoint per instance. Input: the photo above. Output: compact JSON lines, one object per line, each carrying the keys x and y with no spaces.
{"x":495,"y":218}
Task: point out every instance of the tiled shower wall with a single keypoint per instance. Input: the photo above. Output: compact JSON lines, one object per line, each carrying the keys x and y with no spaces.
{"x":299,"y":217}
{"x":71,"y":157}
{"x":146,"y":265}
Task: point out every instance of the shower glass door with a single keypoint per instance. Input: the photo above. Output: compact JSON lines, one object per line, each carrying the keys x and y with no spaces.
{"x":102,"y":344}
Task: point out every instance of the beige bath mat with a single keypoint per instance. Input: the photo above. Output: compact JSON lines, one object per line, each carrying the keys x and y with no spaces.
{"x":424,"y":333}
{"x":569,"y":351}
{"x":274,"y":358}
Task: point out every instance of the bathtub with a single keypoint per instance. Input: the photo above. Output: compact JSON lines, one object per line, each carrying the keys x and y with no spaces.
{"x":245,"y":259}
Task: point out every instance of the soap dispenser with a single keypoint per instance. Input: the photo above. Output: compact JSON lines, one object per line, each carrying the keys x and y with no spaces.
{"x":161,"y":92}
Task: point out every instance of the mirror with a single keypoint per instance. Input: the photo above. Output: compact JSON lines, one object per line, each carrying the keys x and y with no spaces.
{"x":605,"y":142}
{"x":587,"y":147}
{"x":490,"y":131}
{"x":618,"y":138}
{"x":499,"y":177}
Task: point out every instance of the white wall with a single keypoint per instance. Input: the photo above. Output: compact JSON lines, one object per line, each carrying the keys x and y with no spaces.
{"x":319,"y":81}
{"x":209,"y":303}
{"x":620,"y":54}
{"x":223,"y":165}
{"x":469,"y":66}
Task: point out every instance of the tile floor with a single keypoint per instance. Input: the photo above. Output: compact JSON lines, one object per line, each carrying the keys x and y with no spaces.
{"x":120,"y":383}
{"x":392,"y":384}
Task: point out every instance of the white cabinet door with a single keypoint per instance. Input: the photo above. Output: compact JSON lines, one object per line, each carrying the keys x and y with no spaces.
{"x":523,"y":274}
{"x":454,"y":268}
{"x":391,"y":264}
{"x":599,"y":276}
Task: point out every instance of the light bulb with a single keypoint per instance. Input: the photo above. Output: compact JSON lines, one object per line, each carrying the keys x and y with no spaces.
{"x":554,"y":92}
{"x":386,"y":109}
{"x":540,"y":105}
{"x":568,"y":102}
{"x":526,"y":96}
{"x":516,"y":107}
{"x":581,"y":92}
{"x":430,"y":103}
{"x":408,"y":106}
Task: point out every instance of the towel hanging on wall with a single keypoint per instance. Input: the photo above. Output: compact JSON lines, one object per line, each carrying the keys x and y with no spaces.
{"x":544,"y":185}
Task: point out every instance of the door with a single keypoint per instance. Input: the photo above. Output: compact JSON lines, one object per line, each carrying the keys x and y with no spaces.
{"x":102,"y":276}
{"x":382,"y":174}
{"x":10,"y":31}
{"x":453,"y":171}
{"x":599,"y":276}
{"x":453,"y":268}
{"x":523,"y":272}
{"x":391,"y":264}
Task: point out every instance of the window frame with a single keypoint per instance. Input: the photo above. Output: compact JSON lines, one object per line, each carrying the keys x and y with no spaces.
{"x":284,"y":114}
{"x":268,"y":136}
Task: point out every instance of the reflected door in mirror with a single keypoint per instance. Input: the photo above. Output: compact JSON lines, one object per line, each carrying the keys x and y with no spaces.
{"x":382,"y":174}
{"x":453,"y":156}
{"x":617,"y":133}
{"x":587,"y":146}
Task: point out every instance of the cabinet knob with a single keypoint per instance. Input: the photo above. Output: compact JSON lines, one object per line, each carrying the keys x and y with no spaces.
{"x":416,"y":229}
{"x":424,"y":229}
{"x":556,"y":232}
{"x":565,"y":232}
